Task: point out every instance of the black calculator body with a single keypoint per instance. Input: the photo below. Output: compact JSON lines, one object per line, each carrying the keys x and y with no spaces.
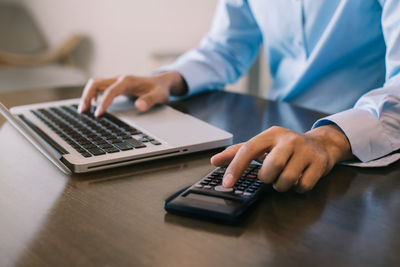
{"x":208,"y":199}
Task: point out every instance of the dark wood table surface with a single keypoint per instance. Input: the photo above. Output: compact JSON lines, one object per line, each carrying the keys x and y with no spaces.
{"x":116,"y":217}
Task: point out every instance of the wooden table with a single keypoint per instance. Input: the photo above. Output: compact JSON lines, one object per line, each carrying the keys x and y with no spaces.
{"x":116,"y":217}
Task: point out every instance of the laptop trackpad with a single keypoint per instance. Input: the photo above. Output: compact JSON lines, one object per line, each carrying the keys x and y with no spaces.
{"x":168,"y":124}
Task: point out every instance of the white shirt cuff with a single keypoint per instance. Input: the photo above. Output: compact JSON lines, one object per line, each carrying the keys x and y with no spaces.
{"x":364,"y":131}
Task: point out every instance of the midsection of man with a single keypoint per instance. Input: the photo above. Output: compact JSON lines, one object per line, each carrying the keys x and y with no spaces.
{"x":321,"y":50}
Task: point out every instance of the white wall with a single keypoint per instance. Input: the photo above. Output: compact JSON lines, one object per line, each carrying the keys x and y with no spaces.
{"x":124,"y":33}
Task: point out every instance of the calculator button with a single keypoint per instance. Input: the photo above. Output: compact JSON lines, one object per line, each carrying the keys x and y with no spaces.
{"x":247,"y":194}
{"x":198,"y":185}
{"x":221,"y":188}
{"x":239,"y":192}
{"x":207,"y":187}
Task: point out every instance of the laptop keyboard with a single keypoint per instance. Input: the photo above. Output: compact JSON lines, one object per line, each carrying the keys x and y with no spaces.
{"x":91,"y":136}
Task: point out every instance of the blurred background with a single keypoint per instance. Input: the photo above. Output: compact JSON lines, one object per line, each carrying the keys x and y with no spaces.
{"x":47,"y":43}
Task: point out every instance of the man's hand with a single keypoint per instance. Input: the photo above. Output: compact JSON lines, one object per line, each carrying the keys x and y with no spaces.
{"x":289,"y":159}
{"x":151,"y":90}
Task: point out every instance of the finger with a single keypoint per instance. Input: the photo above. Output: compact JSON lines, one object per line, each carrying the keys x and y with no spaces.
{"x":141,"y":105}
{"x":149,"y":99}
{"x":261,"y":158}
{"x":90,"y":91}
{"x":110,"y":93}
{"x":225,"y":157}
{"x":291,"y":173}
{"x":93,"y":101}
{"x":309,"y":178}
{"x":274,"y":163}
{"x":250,"y":150}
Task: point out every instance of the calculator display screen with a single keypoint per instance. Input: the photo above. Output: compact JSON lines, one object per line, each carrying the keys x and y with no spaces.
{"x":216,"y":200}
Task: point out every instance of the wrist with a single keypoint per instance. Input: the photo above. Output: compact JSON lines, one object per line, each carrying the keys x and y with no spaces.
{"x":334,"y":142}
{"x":173,"y":82}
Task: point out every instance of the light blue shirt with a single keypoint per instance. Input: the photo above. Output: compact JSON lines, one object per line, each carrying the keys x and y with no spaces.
{"x":336,"y":56}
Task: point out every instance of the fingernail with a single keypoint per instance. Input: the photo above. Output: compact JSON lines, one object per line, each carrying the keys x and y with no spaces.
{"x":80,"y":107}
{"x":228,"y":180}
{"x":141,"y":105}
{"x":98,"y":112}
{"x":211,"y":160}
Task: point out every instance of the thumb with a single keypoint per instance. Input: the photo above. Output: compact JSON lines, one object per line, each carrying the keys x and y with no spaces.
{"x":141,"y":105}
{"x":146,"y":101}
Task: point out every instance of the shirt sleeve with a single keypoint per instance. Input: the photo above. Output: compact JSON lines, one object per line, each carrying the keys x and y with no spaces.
{"x":225,"y":53}
{"x":372,"y":126}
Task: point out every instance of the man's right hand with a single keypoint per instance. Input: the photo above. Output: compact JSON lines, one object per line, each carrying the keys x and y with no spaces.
{"x":149,"y":91}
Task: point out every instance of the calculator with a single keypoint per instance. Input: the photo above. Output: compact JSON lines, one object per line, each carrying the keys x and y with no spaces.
{"x":208,"y":199}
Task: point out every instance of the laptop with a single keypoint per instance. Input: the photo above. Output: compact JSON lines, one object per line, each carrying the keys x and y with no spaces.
{"x":80,"y":143}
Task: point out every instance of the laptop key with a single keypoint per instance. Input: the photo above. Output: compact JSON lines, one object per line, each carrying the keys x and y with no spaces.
{"x":155,"y":142}
{"x":133,"y":131}
{"x":126,"y":136}
{"x":114,"y":140}
{"x":103,"y":146}
{"x":135,"y":143}
{"x":111,"y":150}
{"x":123,"y":146}
{"x":89,"y":146}
{"x":86,"y":154}
{"x":149,"y":138}
{"x":96,"y":151}
{"x":80,"y":150}
{"x":100,"y":142}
